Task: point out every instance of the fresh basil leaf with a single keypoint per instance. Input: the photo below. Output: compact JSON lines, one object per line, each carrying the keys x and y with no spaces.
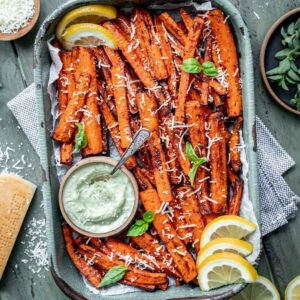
{"x":284,"y":66}
{"x":113,"y":275}
{"x":293,"y":75}
{"x":201,"y":160}
{"x":190,"y":152}
{"x":148,"y":216}
{"x":209,"y":69}
{"x":139,"y":222}
{"x":137,"y":230}
{"x":80,"y":139}
{"x":282,"y":54}
{"x":193,"y":170}
{"x":192,"y":173}
{"x":191,"y":65}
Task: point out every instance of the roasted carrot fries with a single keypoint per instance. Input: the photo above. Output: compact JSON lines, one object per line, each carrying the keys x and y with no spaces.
{"x":143,"y":84}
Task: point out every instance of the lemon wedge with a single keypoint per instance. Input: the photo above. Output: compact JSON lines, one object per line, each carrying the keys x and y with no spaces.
{"x":85,"y":14}
{"x":292,"y":291}
{"x":261,"y":289}
{"x":87,"y":35}
{"x":227,"y":226}
{"x":224,"y":268}
{"x":242,"y":248}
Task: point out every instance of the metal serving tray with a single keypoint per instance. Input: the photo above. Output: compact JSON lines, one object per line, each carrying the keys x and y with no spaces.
{"x":63,"y":271}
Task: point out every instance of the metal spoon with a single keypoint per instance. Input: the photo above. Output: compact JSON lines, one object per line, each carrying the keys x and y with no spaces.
{"x":137,"y":141}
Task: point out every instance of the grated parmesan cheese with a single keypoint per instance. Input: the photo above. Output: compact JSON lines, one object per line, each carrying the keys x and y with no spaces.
{"x":15,"y":14}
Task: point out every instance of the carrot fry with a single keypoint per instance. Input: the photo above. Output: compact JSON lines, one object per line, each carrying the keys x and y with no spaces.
{"x":173,"y":28}
{"x":124,"y":23}
{"x":119,"y":84}
{"x":190,"y":48}
{"x":106,"y":97}
{"x":131,"y":55}
{"x":191,"y":212}
{"x":113,"y":127}
{"x":210,"y":217}
{"x":88,"y":271}
{"x":160,"y":168}
{"x":144,"y":38}
{"x":218,"y":163}
{"x":217,"y":87}
{"x":143,"y":154}
{"x":66,"y":86}
{"x":228,"y":55}
{"x":233,"y":145}
{"x":167,"y":56}
{"x":140,"y":259}
{"x":179,"y":223}
{"x":215,"y":56}
{"x":148,"y":111}
{"x":173,"y":166}
{"x":184,"y":262}
{"x":196,"y":116}
{"x":186,"y":18}
{"x":159,"y":64}
{"x":152,"y":246}
{"x":133,"y":274}
{"x":237,"y":193}
{"x":105,"y":67}
{"x":135,"y":257}
{"x":205,"y":84}
{"x":217,"y":99}
{"x":105,"y":146}
{"x":65,"y":128}
{"x":143,"y":182}
{"x":134,"y":60}
{"x":132,"y":89}
{"x":85,"y":62}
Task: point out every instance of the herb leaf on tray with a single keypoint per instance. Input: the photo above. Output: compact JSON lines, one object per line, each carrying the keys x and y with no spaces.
{"x":113,"y":275}
{"x":141,"y":226}
{"x":197,"y":161}
{"x":192,"y":65}
{"x":80,"y":139}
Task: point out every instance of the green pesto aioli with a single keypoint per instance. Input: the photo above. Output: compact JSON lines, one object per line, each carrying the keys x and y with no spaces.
{"x":101,"y":206}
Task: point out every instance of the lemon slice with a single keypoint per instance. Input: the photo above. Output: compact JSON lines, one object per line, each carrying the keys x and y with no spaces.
{"x":261,"y":289}
{"x":85,"y":14}
{"x":224,"y":268}
{"x":242,"y":248}
{"x":87,"y":35}
{"x":292,"y":291}
{"x":227,"y":226}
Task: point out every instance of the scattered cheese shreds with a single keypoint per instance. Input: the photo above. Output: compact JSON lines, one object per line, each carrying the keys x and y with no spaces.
{"x":36,"y":246}
{"x":15,"y":14}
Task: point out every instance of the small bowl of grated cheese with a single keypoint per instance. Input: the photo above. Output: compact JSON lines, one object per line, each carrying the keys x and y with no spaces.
{"x":17,"y":18}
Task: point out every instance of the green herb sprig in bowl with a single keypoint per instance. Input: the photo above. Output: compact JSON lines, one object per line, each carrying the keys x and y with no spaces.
{"x":287,"y":73}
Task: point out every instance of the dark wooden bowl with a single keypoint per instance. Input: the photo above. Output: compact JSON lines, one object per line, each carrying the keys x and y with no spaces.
{"x":26,"y":29}
{"x":271,"y":45}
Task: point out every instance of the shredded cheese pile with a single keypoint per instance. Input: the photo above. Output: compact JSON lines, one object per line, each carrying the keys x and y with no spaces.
{"x":15,"y":14}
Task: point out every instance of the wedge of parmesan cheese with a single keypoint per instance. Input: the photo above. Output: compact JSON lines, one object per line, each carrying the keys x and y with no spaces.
{"x":15,"y":197}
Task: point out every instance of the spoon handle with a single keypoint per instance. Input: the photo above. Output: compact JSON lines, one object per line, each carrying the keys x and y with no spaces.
{"x":137,"y":141}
